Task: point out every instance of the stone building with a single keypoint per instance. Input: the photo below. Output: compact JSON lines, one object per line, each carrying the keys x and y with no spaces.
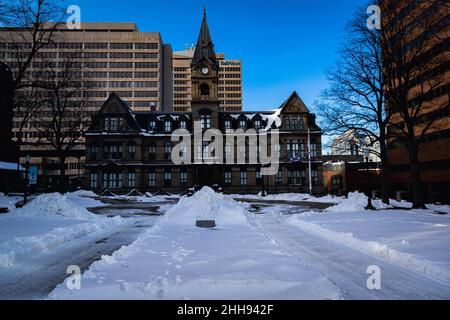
{"x":128,"y":150}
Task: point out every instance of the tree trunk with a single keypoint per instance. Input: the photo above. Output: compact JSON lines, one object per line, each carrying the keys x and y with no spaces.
{"x":62,"y":177}
{"x":416,"y":181}
{"x":385,"y":183}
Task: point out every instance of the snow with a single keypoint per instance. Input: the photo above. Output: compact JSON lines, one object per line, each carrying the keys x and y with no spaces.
{"x":356,"y":201}
{"x":290,"y":197}
{"x":206,"y":205}
{"x":54,"y":206}
{"x":8,"y":202}
{"x":176,"y":260}
{"x":45,"y":237}
{"x":417,"y":240}
{"x":47,"y":223}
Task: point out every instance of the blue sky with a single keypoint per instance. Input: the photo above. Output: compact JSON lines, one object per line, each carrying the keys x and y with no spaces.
{"x":285,"y":45}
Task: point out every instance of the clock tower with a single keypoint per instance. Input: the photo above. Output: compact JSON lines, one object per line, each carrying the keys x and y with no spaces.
{"x":205,"y":70}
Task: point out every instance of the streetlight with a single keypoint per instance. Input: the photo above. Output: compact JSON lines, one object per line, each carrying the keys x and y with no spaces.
{"x":27,"y":168}
{"x":369,"y":186}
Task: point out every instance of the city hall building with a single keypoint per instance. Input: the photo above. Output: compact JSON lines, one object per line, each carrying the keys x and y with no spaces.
{"x":128,"y":150}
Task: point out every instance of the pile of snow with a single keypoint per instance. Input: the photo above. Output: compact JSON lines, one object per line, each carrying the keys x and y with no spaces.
{"x":206,"y":204}
{"x":356,"y":201}
{"x":55,"y":206}
{"x":8,"y":202}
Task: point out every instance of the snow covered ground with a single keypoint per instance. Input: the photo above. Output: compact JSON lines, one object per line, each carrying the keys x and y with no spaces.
{"x":281,"y":253}
{"x":269,"y":251}
{"x":48,"y":227}
{"x":176,"y":260}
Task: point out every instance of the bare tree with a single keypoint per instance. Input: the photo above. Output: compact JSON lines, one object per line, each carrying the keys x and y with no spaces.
{"x":62,"y":96}
{"x":354,"y":101}
{"x":414,"y":57}
{"x":27,"y":27}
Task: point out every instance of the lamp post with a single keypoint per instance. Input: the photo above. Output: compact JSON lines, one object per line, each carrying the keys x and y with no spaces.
{"x":27,"y":168}
{"x":369,"y":186}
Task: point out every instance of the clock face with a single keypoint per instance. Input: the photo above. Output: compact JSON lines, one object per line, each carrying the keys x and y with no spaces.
{"x":205,"y":70}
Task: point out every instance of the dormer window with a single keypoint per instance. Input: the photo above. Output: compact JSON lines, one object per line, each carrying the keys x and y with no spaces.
{"x":152,"y":125}
{"x":205,"y":121}
{"x":243,"y":124}
{"x":257,"y":125}
{"x":228,"y":125}
{"x":183,"y":124}
{"x":167,"y":126}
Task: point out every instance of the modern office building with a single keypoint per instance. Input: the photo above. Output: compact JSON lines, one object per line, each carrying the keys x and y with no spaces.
{"x":230,"y":82}
{"x":113,"y":57}
{"x":420,"y":31}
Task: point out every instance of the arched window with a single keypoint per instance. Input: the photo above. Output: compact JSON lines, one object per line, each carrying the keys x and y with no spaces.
{"x":204,"y":89}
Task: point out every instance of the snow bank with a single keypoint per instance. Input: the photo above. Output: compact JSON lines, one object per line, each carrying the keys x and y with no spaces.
{"x":20,"y":250}
{"x":376,"y":249}
{"x":206,"y":205}
{"x":55,"y":206}
{"x":356,"y":201}
{"x":290,"y":197}
{"x":8,"y":202}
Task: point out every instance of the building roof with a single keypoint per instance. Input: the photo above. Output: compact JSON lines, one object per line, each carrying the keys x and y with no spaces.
{"x":205,"y":46}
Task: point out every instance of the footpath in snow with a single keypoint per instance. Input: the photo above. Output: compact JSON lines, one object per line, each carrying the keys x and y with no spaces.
{"x":176,"y":260}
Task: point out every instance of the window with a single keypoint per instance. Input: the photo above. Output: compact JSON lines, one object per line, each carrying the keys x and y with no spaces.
{"x":228,"y":125}
{"x":152,"y":126}
{"x":168,"y":126}
{"x":113,"y":123}
{"x":93,"y":180}
{"x":112,"y":180}
{"x":204,"y":89}
{"x":183,"y":125}
{"x":228,"y":177}
{"x":131,"y":179}
{"x":205,"y":121}
{"x":152,"y":179}
{"x":287,"y":123}
{"x":258,"y":175}
{"x":294,"y":123}
{"x":315,"y":177}
{"x":243,"y":124}
{"x":336,"y":182}
{"x":131,"y":151}
{"x":167,"y":150}
{"x":314,"y":152}
{"x":279,"y":177}
{"x":296,"y":177}
{"x":168,"y":178}
{"x":228,"y":153}
{"x":183,"y":177}
{"x":113,"y":152}
{"x":152,"y":151}
{"x":93,"y":152}
{"x":243,"y":178}
{"x":257,"y":125}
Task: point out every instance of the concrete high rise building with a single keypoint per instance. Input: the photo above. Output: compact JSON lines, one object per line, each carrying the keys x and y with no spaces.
{"x":230,"y":82}
{"x":112,"y":57}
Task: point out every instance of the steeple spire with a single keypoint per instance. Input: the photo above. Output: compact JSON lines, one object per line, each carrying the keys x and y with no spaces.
{"x":205,"y":46}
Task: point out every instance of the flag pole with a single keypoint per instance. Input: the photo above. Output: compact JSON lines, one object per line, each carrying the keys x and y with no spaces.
{"x":309,"y":161}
